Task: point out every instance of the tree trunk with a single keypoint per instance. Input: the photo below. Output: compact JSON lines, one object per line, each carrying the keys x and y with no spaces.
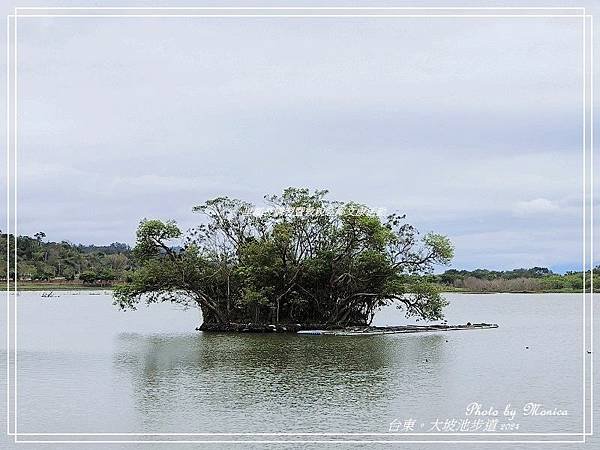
{"x":212,"y":314}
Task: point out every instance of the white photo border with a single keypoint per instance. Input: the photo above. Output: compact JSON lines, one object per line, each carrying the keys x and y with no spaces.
{"x":270,"y":11}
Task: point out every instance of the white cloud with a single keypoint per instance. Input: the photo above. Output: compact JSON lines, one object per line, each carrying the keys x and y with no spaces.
{"x":538,"y":206}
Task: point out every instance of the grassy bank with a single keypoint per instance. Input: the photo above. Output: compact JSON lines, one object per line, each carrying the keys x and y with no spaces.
{"x":80,"y":286}
{"x":57,"y":286}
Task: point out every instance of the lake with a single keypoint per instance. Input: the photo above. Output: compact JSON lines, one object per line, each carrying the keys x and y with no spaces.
{"x":85,"y":367}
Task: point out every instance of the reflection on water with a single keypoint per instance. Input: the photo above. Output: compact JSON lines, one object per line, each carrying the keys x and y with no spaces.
{"x":86,"y":367}
{"x":279,"y":374}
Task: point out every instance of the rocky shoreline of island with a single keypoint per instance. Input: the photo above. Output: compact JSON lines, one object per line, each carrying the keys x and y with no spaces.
{"x":326,"y":329}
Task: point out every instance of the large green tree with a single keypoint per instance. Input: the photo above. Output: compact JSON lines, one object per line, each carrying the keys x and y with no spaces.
{"x":302,"y":259}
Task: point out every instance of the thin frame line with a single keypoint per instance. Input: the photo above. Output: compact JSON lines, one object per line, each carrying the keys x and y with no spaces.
{"x":592,"y":223}
{"x":379,"y":16}
{"x":8,"y":224}
{"x":339,"y":441}
{"x":15,"y":137}
{"x":584,"y":221}
{"x":240,"y":8}
{"x":278,"y":16}
{"x":303,"y":434}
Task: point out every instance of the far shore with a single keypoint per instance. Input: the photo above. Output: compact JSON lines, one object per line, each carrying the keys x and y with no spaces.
{"x":79,"y":286}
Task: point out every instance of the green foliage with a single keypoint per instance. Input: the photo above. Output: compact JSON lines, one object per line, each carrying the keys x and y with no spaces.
{"x":440,"y":246}
{"x":536,"y":279}
{"x":88,"y":276}
{"x":45,"y":261}
{"x":303,"y":259}
{"x":151,"y":235}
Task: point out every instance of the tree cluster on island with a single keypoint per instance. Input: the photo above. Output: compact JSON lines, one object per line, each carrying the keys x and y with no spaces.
{"x":304,"y":259}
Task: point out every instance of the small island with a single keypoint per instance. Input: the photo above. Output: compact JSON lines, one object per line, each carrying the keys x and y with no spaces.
{"x":304,"y":261}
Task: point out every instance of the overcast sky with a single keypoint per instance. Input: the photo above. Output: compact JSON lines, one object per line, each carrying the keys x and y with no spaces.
{"x":470,"y":127}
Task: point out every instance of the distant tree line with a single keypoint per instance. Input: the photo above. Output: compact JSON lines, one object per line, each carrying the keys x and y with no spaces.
{"x":535,"y":279}
{"x":38,"y":260}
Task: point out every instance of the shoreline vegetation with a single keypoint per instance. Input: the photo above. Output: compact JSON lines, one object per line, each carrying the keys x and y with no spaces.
{"x":60,"y":266}
{"x":77,"y":285}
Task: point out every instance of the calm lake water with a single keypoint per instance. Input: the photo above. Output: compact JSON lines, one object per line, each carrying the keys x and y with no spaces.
{"x":85,"y":367}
